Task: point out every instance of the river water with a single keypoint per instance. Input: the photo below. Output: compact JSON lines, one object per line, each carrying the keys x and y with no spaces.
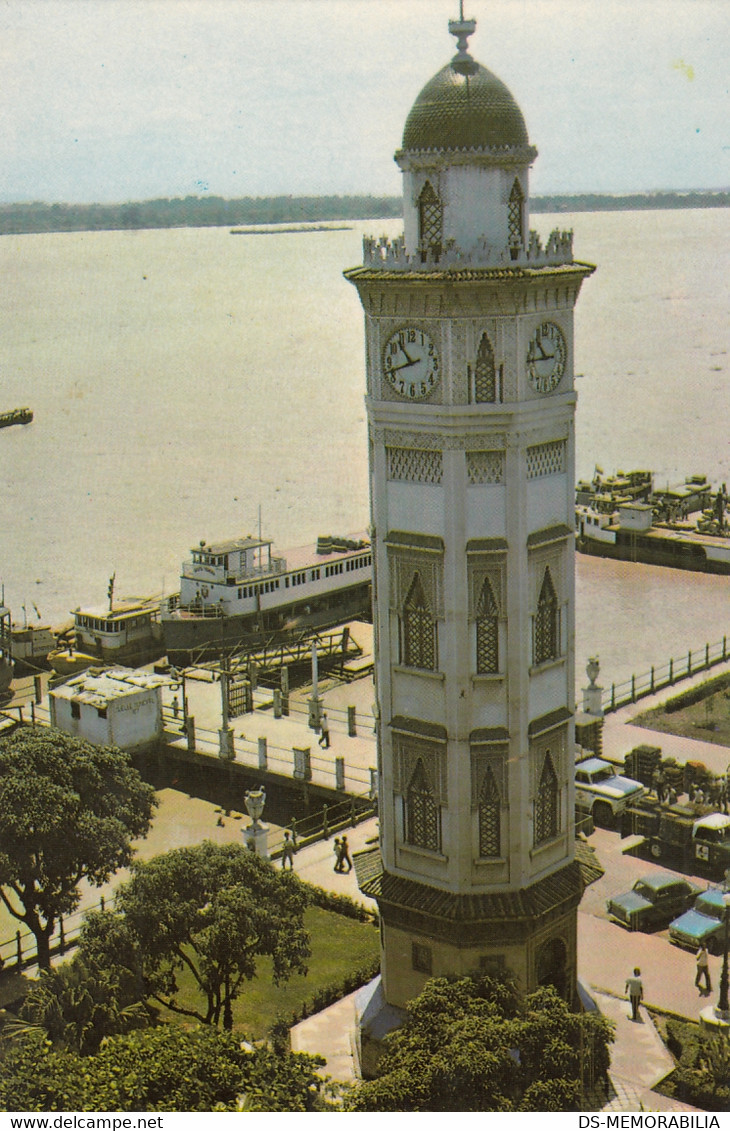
{"x":180,"y":379}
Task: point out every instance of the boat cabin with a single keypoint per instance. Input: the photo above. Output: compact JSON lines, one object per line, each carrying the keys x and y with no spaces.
{"x":128,"y":631}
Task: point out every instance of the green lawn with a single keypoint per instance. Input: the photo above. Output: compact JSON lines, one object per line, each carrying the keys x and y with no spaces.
{"x":339,"y":947}
{"x":708,"y":720}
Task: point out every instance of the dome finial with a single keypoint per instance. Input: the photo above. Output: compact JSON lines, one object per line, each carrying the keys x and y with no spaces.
{"x":462,"y":29}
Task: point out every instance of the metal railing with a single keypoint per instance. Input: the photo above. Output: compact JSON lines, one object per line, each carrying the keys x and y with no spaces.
{"x":666,"y":675}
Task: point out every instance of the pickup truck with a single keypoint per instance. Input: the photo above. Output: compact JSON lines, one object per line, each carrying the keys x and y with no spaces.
{"x":701,"y":844}
{"x":603,"y":793}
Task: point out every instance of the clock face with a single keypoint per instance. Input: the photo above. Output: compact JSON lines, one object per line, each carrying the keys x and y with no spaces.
{"x":411,"y":364}
{"x":546,"y":356}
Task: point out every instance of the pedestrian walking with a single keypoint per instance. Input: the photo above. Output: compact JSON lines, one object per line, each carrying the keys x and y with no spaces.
{"x":703,"y":970}
{"x":324,"y":726}
{"x":287,"y":853}
{"x":338,"y":855}
{"x":345,"y":857}
{"x":294,"y":832}
{"x":635,"y":990}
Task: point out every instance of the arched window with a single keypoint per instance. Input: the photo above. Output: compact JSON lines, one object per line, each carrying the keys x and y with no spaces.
{"x":485,"y":381}
{"x":431,"y":222}
{"x":547,"y":623}
{"x":419,"y":629}
{"x":547,"y":813}
{"x":515,"y":230}
{"x":489,"y":817}
{"x":422,"y":814}
{"x":487,"y":625}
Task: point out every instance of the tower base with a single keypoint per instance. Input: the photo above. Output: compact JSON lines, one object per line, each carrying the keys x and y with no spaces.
{"x":430,"y":933}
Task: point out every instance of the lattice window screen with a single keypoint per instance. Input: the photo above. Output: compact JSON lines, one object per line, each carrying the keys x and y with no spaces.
{"x":422,"y":814}
{"x":546,"y":459}
{"x":489,"y":817}
{"x":514,"y":216}
{"x":547,"y":810}
{"x":431,"y":217}
{"x":546,"y":623}
{"x":485,"y":467}
{"x":419,"y":630}
{"x":485,"y":377}
{"x":413,"y":465}
{"x":487,"y":632}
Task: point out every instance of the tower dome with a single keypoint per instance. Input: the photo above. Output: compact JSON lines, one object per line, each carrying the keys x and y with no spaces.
{"x":464,"y":107}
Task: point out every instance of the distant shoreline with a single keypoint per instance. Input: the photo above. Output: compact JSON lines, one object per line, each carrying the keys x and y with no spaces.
{"x":299,"y":212}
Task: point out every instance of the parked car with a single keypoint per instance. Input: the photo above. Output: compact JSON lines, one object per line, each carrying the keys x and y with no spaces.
{"x":652,"y":901}
{"x":603,"y":793}
{"x":705,"y":922}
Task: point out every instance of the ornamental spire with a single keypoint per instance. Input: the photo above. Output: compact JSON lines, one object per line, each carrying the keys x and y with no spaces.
{"x":461,"y":29}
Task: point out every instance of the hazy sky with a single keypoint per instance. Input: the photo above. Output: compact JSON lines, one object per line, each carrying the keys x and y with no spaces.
{"x":108,"y":100}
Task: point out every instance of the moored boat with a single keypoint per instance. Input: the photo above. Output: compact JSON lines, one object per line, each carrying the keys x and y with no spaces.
{"x":125,"y":632}
{"x":642,"y":524}
{"x":17,"y":416}
{"x":30,"y":645}
{"x":238,"y":595}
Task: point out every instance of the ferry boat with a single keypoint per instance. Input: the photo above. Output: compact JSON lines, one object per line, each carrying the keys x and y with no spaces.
{"x":17,"y":416}
{"x":126,"y":633}
{"x":624,"y":517}
{"x":30,"y":645}
{"x":238,"y":595}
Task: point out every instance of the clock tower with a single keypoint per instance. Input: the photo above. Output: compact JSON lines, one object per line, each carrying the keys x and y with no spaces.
{"x":471,"y":407}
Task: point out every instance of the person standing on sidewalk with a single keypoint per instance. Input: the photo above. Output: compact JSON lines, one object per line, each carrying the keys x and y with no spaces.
{"x":338,"y":855}
{"x":345,"y":855}
{"x":635,"y":990}
{"x":703,"y":969}
{"x":287,"y":853}
{"x":324,"y":726}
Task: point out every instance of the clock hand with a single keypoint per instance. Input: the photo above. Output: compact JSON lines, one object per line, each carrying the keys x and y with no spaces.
{"x":405,"y":352}
{"x":405,"y":365}
{"x":538,"y":343}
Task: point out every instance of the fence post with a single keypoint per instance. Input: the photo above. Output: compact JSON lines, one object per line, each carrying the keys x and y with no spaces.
{"x":263,"y":753}
{"x":340,"y":774}
{"x":32,"y":713}
{"x":351,"y":722}
{"x":101,"y":903}
{"x":61,"y":935}
{"x":671,"y":672}
{"x":651,"y":685}
{"x":633,"y":689}
{"x":38,"y":688}
{"x":285,"y":691}
{"x":18,"y":949}
{"x":707,"y":655}
{"x":277,"y":703}
{"x":613,"y":696}
{"x":190,"y":732}
{"x":302,"y":763}
{"x":724,"y":647}
{"x":689,"y":662}
{"x":373,"y":791}
{"x":325,"y":822}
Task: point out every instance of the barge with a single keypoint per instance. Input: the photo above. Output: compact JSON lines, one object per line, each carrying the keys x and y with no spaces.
{"x":238,"y":596}
{"x":17,"y":416}
{"x":625,"y":518}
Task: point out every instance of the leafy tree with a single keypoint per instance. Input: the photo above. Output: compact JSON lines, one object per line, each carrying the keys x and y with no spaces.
{"x":211,"y":910}
{"x":68,"y":811}
{"x":160,"y":1069}
{"x":80,"y":1003}
{"x":472,"y":1045}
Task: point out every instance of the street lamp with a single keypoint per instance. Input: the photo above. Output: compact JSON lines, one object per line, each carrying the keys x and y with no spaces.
{"x":723,"y":1005}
